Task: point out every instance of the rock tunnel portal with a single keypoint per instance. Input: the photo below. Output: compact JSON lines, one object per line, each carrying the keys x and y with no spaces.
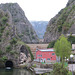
{"x":9,"y":63}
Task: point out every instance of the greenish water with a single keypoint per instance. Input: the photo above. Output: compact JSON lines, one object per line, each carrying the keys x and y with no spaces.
{"x":15,"y":72}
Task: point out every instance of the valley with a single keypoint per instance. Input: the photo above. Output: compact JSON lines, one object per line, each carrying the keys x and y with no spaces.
{"x":36,"y":44}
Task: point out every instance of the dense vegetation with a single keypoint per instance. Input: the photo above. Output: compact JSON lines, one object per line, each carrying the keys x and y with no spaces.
{"x":62,"y":48}
{"x":58,"y":70}
{"x":70,"y":38}
{"x":62,"y":23}
{"x":51,"y":44}
{"x":32,"y":57}
{"x":3,"y":23}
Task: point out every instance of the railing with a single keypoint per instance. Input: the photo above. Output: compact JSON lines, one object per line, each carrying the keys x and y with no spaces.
{"x":70,"y":34}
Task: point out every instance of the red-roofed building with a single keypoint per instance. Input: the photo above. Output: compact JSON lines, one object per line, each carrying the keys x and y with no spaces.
{"x":45,"y":55}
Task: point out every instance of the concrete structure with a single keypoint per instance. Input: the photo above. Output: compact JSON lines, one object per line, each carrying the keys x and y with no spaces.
{"x":33,"y":48}
{"x":45,"y":55}
{"x":42,"y":70}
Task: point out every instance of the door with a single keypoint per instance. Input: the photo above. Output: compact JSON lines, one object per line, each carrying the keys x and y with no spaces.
{"x":44,"y":60}
{"x":41,"y":60}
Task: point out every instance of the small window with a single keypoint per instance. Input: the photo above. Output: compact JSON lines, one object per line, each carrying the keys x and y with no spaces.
{"x":39,"y":55}
{"x":48,"y":58}
{"x":53,"y":53}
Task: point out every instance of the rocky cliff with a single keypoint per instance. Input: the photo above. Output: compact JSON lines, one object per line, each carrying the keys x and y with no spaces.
{"x":23,"y":27}
{"x":62,"y":23}
{"x":39,"y":27}
{"x":12,"y":47}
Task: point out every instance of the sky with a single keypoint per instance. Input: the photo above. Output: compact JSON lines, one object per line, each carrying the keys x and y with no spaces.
{"x":39,"y":10}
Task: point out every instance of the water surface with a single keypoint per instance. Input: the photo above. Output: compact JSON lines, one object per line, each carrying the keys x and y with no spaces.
{"x":15,"y":72}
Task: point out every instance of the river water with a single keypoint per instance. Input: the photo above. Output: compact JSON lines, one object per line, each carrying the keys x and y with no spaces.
{"x":15,"y":72}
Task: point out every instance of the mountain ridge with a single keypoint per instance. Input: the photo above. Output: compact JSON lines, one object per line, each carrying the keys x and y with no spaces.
{"x":62,"y":23}
{"x":22,"y":25}
{"x":39,"y":27}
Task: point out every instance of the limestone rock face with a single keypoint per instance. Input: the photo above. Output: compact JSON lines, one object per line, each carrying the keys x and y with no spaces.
{"x":21,"y":24}
{"x":24,"y":58}
{"x":62,"y":23}
{"x":11,"y":45}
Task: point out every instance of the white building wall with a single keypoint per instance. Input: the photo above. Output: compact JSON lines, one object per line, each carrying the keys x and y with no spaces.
{"x":73,"y":46}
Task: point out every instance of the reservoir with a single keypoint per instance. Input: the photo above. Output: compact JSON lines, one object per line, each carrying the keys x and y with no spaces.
{"x":15,"y":72}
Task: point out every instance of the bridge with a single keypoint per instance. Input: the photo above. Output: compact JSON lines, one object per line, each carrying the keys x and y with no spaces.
{"x":34,"y":46}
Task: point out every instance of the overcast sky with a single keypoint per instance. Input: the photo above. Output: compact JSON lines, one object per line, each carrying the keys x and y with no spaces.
{"x":39,"y":9}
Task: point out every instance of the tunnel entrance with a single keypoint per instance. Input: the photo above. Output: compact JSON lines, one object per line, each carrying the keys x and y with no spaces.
{"x":9,"y":64}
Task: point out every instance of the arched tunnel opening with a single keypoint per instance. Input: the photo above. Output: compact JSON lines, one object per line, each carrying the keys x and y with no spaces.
{"x":9,"y":63}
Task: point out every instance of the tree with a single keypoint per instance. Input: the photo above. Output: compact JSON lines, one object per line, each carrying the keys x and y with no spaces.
{"x":71,"y":39}
{"x":62,"y":48}
{"x":51,"y":44}
{"x":58,"y":70}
